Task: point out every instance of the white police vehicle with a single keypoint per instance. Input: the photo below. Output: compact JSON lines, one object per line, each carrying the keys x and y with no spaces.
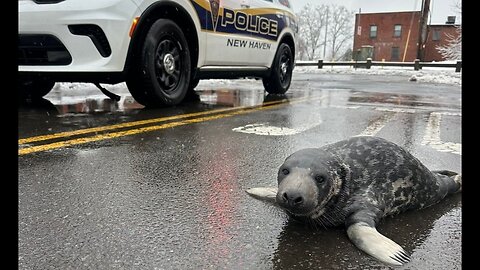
{"x":161,"y":48}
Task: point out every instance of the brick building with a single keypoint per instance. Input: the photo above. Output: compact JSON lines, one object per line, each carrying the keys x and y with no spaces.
{"x":394,"y":36}
{"x":438,"y":35}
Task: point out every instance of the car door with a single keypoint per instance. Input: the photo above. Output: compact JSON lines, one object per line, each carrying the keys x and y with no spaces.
{"x":228,"y":37}
{"x":269,"y":21}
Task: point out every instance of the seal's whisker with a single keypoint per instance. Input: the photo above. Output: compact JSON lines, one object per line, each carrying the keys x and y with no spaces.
{"x":328,"y":219}
{"x":320,"y":222}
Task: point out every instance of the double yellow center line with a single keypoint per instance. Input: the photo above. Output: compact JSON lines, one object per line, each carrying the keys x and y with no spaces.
{"x":136,"y":127}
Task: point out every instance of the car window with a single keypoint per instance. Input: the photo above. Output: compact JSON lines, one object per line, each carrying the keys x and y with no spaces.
{"x":285,"y":3}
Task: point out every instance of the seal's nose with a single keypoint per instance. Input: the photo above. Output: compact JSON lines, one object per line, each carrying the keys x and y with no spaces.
{"x":292,"y":198}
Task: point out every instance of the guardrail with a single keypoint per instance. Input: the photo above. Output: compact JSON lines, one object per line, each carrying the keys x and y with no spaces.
{"x":417,"y":65}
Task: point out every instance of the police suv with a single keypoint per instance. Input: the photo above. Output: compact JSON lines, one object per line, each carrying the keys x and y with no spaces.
{"x":160,"y":48}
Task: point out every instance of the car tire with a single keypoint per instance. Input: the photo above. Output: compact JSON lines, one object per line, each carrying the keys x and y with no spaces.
{"x":191,"y":94}
{"x":34,"y":88}
{"x":193,"y":84}
{"x":162,"y":76}
{"x":281,"y":71}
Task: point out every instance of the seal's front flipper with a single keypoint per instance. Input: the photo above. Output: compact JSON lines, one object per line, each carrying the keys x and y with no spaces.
{"x":266,"y":194}
{"x":368,"y":239}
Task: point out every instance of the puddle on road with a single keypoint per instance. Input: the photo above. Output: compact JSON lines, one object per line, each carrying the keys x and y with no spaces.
{"x":400,"y":100}
{"x":235,"y":98}
{"x":79,"y":99}
{"x":99,"y":104}
{"x":63,"y":110}
{"x":90,"y":105}
{"x":432,"y":236}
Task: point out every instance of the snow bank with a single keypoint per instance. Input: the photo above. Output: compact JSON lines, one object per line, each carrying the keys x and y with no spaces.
{"x":426,"y":74}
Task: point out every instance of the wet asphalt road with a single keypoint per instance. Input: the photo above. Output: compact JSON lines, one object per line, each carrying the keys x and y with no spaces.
{"x":135,"y":188}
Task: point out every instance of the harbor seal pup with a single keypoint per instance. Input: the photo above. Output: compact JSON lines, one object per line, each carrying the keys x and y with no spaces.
{"x":355,"y":183}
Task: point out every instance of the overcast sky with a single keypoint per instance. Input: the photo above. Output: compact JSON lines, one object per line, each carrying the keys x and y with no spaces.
{"x":440,"y":9}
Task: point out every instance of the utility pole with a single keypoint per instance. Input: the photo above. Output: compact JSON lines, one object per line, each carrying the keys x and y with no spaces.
{"x":423,"y":31}
{"x":325,"y":42}
{"x":359,"y":27}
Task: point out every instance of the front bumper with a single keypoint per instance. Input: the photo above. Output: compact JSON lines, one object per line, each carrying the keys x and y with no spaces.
{"x":75,"y":24}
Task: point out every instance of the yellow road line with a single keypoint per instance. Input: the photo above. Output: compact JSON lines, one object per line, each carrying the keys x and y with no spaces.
{"x":135,"y":123}
{"x":51,"y":146}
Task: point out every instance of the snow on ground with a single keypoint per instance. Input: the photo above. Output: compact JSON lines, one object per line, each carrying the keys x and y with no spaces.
{"x":426,"y":74}
{"x":90,"y":87}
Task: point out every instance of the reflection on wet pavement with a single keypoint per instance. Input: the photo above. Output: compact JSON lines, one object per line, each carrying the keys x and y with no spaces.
{"x":85,"y":106}
{"x":232,"y":98}
{"x":101,"y":104}
{"x":41,"y":105}
{"x":400,"y":99}
{"x":303,"y":247}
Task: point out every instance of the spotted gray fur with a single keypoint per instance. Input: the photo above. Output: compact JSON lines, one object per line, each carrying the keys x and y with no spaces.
{"x":356,"y":182}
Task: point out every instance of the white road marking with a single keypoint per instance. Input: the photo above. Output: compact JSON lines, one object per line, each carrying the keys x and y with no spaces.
{"x":265,"y":129}
{"x":432,"y":136}
{"x":398,"y":110}
{"x":344,"y":107}
{"x":450,"y":113}
{"x":375,"y":126}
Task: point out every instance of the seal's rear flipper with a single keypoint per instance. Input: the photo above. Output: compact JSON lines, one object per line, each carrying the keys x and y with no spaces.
{"x":372,"y":242}
{"x":446,"y":172}
{"x":447,"y":176}
{"x":266,"y":194}
{"x":458,"y":179}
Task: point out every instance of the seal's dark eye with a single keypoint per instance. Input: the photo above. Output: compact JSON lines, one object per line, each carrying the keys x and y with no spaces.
{"x":319,"y":178}
{"x":285,"y":171}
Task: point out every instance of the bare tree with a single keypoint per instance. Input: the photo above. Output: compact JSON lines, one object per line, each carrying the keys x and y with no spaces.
{"x":301,"y":49}
{"x":327,"y":26}
{"x":453,"y":49}
{"x":311,"y":22}
{"x":347,"y":54}
{"x":340,"y":30}
{"x":457,"y":7}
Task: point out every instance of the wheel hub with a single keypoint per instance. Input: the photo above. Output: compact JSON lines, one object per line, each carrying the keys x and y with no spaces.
{"x":283,"y":68}
{"x":169,"y":63}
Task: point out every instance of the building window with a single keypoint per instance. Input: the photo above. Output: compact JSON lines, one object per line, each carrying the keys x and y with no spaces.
{"x":395,"y":54}
{"x":373,"y":31}
{"x":436,"y":34}
{"x":397,"y":30}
